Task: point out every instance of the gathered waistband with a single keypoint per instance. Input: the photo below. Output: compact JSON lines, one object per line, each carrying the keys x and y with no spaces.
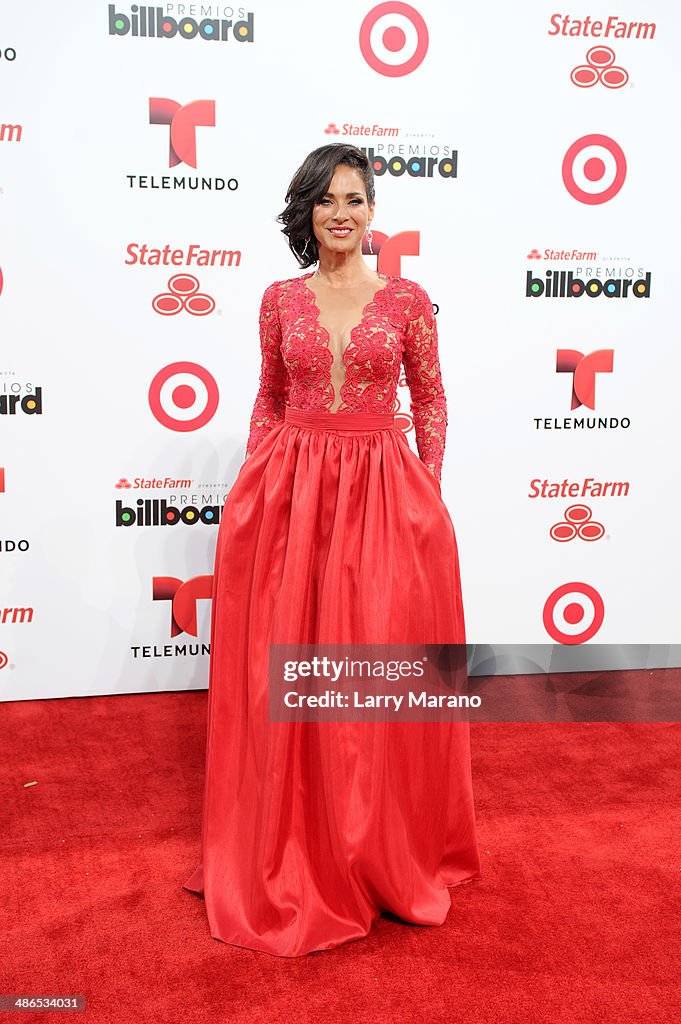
{"x":340,"y":422}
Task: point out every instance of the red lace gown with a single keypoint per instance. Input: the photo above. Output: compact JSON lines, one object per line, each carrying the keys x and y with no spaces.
{"x":333,"y":532}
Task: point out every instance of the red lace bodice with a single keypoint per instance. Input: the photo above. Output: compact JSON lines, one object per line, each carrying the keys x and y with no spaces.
{"x":397,"y":326}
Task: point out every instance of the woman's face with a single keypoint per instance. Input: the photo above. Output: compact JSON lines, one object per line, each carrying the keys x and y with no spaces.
{"x":341,"y":217}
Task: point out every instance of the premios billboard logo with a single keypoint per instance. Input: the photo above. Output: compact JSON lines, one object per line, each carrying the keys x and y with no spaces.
{"x":393,"y":39}
{"x":156,"y":23}
{"x":17,"y":399}
{"x":411,"y":157}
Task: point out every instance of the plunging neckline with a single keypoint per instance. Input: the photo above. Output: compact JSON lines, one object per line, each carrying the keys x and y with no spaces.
{"x":365,"y":309}
{"x":312,"y":299}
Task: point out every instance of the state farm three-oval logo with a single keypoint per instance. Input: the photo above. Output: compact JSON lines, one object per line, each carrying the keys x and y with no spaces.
{"x":184,"y":396}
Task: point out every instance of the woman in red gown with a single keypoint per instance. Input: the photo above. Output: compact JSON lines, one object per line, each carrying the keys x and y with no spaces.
{"x":334,"y":532}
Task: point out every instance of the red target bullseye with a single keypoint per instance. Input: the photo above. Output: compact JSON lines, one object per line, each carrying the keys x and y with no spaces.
{"x":3,"y":659}
{"x":183,"y":396}
{"x":594,"y":169}
{"x":573,"y":613}
{"x":393,"y":39}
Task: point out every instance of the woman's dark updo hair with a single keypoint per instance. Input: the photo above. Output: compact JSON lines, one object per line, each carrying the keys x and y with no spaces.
{"x":309,"y":185}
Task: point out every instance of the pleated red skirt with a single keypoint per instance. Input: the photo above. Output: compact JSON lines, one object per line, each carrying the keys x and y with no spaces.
{"x":333,"y":532}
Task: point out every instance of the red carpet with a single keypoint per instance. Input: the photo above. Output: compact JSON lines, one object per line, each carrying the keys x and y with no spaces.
{"x":577,"y":917}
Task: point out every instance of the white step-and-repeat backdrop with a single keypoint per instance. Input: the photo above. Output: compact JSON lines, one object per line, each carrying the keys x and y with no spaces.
{"x":527,"y":176}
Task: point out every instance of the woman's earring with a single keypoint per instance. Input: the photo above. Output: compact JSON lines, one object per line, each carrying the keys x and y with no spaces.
{"x":370,"y":238}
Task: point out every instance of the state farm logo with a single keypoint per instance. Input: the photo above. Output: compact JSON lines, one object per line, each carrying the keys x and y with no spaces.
{"x":588,"y":487}
{"x":584,"y":369}
{"x":563,"y":255}
{"x":183,"y":295}
{"x":578,"y":522}
{"x":393,"y":39}
{"x":183,"y":396}
{"x":573,"y":613}
{"x":600,"y":68}
{"x":594,"y":169}
{"x":183,"y":598}
{"x":11,"y":132}
{"x":183,"y":122}
{"x":143,"y":255}
{"x":153,"y":23}
{"x":15,"y":615}
{"x":350,"y":129}
{"x":389,"y":250}
{"x":565,"y":25}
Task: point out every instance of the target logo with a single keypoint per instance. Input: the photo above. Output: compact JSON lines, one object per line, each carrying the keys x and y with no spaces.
{"x":600,"y":67}
{"x":577,"y":523}
{"x":4,"y":660}
{"x":573,"y":613}
{"x":183,"y":293}
{"x":584,"y":369}
{"x":393,"y":39}
{"x":183,"y":597}
{"x":183,"y":396}
{"x":594,"y":169}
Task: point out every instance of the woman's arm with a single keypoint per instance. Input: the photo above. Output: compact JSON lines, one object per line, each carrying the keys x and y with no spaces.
{"x":424,"y":378}
{"x":270,"y":401}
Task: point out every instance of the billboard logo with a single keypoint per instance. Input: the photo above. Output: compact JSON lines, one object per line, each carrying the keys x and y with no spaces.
{"x":31,"y":403}
{"x":2,"y":479}
{"x":183,"y":122}
{"x":183,"y":293}
{"x":594,"y":169}
{"x":183,"y":597}
{"x":600,"y":67}
{"x":584,"y":369}
{"x":393,"y":39}
{"x":183,"y":396}
{"x":577,"y":523}
{"x":573,"y":613}
{"x":153,"y":23}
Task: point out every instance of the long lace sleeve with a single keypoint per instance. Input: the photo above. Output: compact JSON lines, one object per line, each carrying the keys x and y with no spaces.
{"x":273,"y":390}
{"x":424,"y":378}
